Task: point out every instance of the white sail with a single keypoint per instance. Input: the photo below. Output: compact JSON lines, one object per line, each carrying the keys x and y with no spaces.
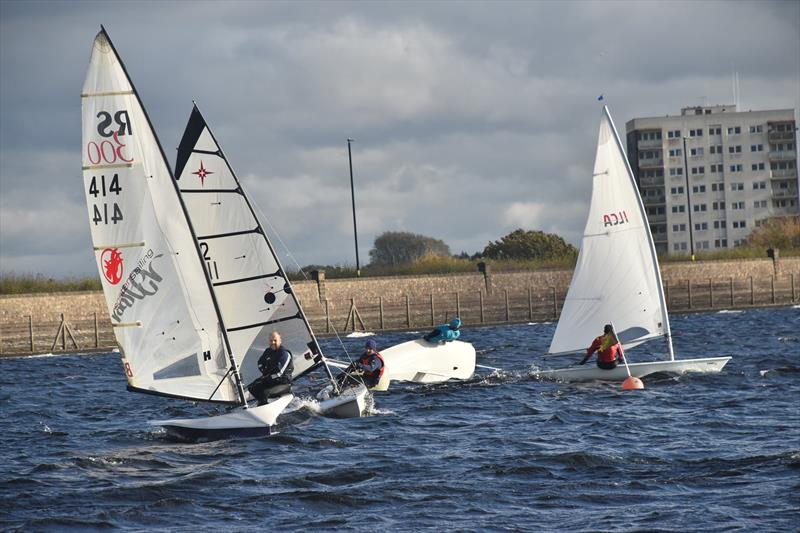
{"x":251,"y":288}
{"x":616,"y":279}
{"x":153,"y":280}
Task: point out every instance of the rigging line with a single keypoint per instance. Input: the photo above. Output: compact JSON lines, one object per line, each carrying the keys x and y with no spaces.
{"x":299,"y":268}
{"x":230,"y":368}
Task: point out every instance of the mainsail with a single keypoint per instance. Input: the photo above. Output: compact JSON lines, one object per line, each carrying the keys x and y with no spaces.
{"x":253,"y":293}
{"x":154,"y":282}
{"x":616,"y":279}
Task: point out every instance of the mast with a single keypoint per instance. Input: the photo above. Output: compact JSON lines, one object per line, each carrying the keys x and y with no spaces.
{"x":653,"y":255}
{"x":198,"y":252}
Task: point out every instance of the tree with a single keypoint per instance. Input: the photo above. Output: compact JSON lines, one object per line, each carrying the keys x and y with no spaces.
{"x":399,"y":247}
{"x":777,"y":232}
{"x":521,"y":244}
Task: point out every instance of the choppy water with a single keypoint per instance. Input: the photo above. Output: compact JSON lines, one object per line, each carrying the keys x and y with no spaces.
{"x":501,"y":452}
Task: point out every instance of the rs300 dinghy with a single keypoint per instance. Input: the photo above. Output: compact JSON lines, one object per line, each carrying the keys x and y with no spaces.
{"x":192,"y":285}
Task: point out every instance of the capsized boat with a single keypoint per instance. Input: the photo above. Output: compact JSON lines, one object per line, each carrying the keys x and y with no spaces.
{"x":174,"y":337}
{"x":617,"y":280}
{"x":420,"y":361}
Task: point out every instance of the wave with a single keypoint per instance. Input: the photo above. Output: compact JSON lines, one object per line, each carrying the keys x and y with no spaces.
{"x":730,"y":311}
{"x":359,"y":334}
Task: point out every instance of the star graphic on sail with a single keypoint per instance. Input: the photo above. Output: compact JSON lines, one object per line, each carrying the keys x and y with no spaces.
{"x":202,"y":173}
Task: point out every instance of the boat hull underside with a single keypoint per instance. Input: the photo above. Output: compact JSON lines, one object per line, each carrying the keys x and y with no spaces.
{"x":251,"y":422}
{"x":639,"y":370}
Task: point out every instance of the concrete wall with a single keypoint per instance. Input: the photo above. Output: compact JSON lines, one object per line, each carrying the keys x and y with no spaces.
{"x":419,"y":301}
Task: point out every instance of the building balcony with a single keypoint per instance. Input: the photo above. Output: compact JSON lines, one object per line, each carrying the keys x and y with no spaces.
{"x":785,"y":155}
{"x":783,"y":174}
{"x":778,"y":136}
{"x":790,"y":193}
{"x":651,"y":163}
{"x":655,"y":219}
{"x":781,"y":211}
{"x":649,"y":144}
{"x":651,"y":182}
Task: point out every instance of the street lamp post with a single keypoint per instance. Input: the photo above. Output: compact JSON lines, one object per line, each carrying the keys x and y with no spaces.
{"x":353,"y":198}
{"x":688,"y":198}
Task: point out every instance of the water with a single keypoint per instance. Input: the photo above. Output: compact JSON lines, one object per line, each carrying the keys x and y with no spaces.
{"x":501,"y":452}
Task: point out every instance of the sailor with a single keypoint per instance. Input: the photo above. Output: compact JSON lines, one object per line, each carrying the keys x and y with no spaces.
{"x":276,"y":368}
{"x":369,"y":366}
{"x":609,"y":351}
{"x":445,"y":332}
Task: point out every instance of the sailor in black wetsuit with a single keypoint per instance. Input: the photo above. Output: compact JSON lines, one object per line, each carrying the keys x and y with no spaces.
{"x":276,"y":366}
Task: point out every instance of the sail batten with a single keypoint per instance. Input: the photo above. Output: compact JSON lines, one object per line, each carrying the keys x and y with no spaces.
{"x":616,"y":261}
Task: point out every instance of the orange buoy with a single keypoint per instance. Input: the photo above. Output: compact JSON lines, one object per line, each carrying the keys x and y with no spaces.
{"x":632,"y":383}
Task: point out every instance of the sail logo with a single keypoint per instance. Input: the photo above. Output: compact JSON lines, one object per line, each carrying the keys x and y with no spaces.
{"x":111,"y":265}
{"x":111,"y":150}
{"x":120,"y":119}
{"x":142,"y":283}
{"x":201,"y":173}
{"x":614,"y":219}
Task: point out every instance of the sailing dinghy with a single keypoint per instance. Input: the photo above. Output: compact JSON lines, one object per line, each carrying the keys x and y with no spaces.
{"x":161,"y":299}
{"x":617,"y":279}
{"x":420,"y":361}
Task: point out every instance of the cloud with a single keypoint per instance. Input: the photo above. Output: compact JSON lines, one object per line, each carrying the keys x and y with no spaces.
{"x":469,"y":118}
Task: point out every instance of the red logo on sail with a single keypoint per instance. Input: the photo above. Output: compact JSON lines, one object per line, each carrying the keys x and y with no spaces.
{"x":202,"y":173}
{"x":111,"y":263}
{"x":612,"y":219}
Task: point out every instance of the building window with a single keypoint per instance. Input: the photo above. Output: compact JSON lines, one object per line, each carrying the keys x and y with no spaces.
{"x":678,"y":208}
{"x":737,"y":149}
{"x":757,"y":166}
{"x":696,"y":133}
{"x":735,"y":168}
{"x":715,"y":149}
{"x":715,"y":130}
{"x":678,"y":227}
{"x":676,"y":172}
{"x":739,"y":223}
{"x":756,"y":129}
{"x":717,"y":186}
{"x":674,"y":134}
{"x":756,"y":147}
{"x":737,"y":205}
{"x":718,"y":206}
{"x":699,"y":207}
{"x":675,"y":152}
{"x":698,"y":170}
{"x":676,"y":190}
{"x":737,"y":186}
{"x":702,"y":245}
{"x":721,"y":243}
{"x":759,"y":185}
{"x":736,"y":130}
{"x":760,"y":204}
{"x":699,"y":188}
{"x":695,"y":152}
{"x":701,"y":226}
{"x":716,"y":168}
{"x":719,"y":224}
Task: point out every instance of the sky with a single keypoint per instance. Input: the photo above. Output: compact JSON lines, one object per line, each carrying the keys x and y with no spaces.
{"x":469,"y":119}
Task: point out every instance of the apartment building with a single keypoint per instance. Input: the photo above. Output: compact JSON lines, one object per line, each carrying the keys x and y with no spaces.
{"x":741,"y":169}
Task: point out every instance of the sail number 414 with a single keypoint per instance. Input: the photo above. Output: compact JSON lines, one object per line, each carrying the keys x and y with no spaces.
{"x":100,"y":188}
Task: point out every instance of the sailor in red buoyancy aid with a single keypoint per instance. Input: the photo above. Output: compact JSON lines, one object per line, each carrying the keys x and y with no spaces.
{"x":609,"y":351}
{"x":371,"y":364}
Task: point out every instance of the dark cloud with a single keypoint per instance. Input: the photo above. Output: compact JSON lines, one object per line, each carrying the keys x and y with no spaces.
{"x":470,"y":118}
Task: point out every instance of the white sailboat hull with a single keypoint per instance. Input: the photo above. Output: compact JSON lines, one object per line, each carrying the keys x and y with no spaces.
{"x":590,"y":372}
{"x":351,"y":403}
{"x":250,"y":422}
{"x":420,"y":361}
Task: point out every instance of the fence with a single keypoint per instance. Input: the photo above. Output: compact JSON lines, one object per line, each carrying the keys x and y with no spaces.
{"x":61,"y":334}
